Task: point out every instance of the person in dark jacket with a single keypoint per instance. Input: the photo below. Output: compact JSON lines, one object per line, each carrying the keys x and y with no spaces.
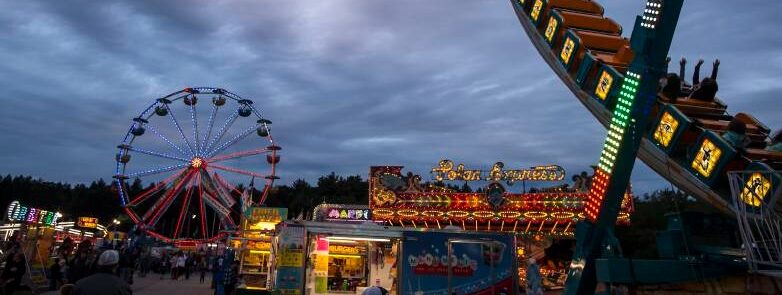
{"x":55,"y":275}
{"x":13,"y":272}
{"x":105,"y":281}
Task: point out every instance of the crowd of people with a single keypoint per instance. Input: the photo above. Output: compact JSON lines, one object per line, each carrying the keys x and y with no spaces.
{"x":86,"y":269}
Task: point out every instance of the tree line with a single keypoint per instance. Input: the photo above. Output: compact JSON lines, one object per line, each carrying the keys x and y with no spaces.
{"x":99,"y":199}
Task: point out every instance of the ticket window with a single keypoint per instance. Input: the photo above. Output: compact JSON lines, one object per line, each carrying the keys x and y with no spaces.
{"x":347,"y":267}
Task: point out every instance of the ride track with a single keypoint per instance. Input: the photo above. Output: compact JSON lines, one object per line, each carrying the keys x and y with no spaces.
{"x":194,"y":177}
{"x":588,"y":21}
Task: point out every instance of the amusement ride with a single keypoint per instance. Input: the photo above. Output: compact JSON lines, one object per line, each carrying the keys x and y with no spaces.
{"x":191,"y":173}
{"x":679,"y":134}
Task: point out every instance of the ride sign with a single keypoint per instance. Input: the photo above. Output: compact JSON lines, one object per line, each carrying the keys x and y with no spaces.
{"x":445,"y":171}
{"x":87,"y":222}
{"x":18,"y":213}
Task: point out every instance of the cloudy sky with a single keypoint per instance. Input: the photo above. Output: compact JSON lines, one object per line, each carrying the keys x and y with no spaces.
{"x":348,"y":84}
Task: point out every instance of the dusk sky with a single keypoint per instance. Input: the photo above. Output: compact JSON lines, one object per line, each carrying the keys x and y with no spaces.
{"x":348,"y":84}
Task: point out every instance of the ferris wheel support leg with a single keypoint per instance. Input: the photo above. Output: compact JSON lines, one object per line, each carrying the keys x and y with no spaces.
{"x":145,"y":195}
{"x":156,"y":211}
{"x":185,"y":205}
{"x":201,"y":207}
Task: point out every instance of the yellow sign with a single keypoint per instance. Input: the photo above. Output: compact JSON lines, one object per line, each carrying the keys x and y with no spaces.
{"x":567,"y":50}
{"x":87,"y":222}
{"x":707,"y":156}
{"x":552,"y":26}
{"x":339,"y":249}
{"x":292,"y":259}
{"x":535,"y":13}
{"x":604,"y":85}
{"x":756,"y":189}
{"x":665,"y":129}
{"x":266,"y":214}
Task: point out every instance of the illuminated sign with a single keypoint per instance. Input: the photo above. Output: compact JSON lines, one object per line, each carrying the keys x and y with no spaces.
{"x":567,"y":50}
{"x":18,"y":213}
{"x":266,"y":214}
{"x":446,"y":171}
{"x":551,"y":28}
{"x":604,"y":85}
{"x":348,"y":250}
{"x":348,"y":214}
{"x":666,"y":129}
{"x":87,"y":222}
{"x":756,"y":189}
{"x":535,"y":13}
{"x":706,"y":158}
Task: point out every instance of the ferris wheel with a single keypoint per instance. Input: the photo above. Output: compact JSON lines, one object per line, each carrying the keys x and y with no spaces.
{"x":185,"y":187}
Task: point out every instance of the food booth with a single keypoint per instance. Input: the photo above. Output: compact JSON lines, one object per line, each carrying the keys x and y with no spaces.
{"x":253,"y":244}
{"x":345,"y":258}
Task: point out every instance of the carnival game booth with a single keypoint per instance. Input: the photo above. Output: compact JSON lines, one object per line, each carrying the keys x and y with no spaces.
{"x":253,"y":244}
{"x":79,"y":230}
{"x":538,"y":217}
{"x":341,"y":258}
{"x":33,"y":230}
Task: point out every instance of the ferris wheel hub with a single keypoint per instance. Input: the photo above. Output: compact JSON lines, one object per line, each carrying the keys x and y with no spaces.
{"x":197,"y":162}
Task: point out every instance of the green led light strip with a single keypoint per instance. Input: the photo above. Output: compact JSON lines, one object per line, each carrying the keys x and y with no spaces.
{"x":619,"y":121}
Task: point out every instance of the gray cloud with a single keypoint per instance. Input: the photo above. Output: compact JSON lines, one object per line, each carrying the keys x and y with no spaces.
{"x":348,"y":84}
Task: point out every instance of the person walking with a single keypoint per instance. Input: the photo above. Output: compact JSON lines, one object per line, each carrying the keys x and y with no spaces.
{"x":164,"y":266}
{"x":188,"y":266}
{"x":55,"y":275}
{"x":172,"y":263}
{"x":181,"y":262}
{"x":203,"y":267}
{"x":104,"y":281}
{"x":15,"y":268}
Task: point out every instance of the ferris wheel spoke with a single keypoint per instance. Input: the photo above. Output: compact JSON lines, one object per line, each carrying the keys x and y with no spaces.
{"x":237,"y":170}
{"x":220,"y":133}
{"x":225,"y":184}
{"x":176,"y":147}
{"x":231,"y":142}
{"x":162,"y":205}
{"x":214,"y":203}
{"x":210,"y":123}
{"x":239,"y":154}
{"x":264,"y":194}
{"x":193,"y":116}
{"x":213,"y":184}
{"x":146,"y":194}
{"x":185,"y":206}
{"x":201,"y":207}
{"x":179,"y":128}
{"x":156,"y":171}
{"x":157,"y":154}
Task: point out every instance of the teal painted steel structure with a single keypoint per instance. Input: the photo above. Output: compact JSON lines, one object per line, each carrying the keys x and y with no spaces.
{"x":650,"y":41}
